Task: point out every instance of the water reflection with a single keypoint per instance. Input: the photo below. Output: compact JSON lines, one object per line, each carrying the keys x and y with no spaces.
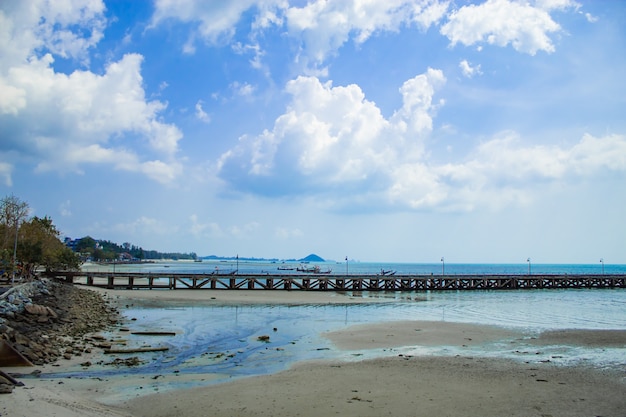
{"x":224,"y":340}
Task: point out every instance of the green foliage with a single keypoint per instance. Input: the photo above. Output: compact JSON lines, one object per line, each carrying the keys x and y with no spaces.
{"x":105,"y":250}
{"x":28,"y":244}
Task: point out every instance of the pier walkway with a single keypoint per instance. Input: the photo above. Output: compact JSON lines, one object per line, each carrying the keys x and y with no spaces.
{"x":314,"y":282}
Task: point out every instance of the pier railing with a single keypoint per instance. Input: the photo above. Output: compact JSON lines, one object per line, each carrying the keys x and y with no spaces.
{"x":315,"y":282}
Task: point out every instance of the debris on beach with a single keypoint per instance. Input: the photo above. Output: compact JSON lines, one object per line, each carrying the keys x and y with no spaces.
{"x":137,"y":350}
{"x":263,"y":338}
{"x":134,"y":361}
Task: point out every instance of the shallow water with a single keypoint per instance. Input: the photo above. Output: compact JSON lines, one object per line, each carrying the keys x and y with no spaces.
{"x":223,"y":340}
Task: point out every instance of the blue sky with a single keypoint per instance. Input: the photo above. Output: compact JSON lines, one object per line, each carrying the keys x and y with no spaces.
{"x":401,"y":131}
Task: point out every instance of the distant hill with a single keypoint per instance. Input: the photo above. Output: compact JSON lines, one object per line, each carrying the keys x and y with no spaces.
{"x":312,"y":258}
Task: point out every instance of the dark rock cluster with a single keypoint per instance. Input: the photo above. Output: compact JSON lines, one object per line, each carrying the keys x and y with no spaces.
{"x":46,"y":320}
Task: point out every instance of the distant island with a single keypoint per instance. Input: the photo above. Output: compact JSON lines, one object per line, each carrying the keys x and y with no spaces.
{"x":310,"y":258}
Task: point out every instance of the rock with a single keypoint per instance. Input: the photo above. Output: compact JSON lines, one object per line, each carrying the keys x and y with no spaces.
{"x":46,"y":320}
{"x":36,"y":309}
{"x":51,"y":313}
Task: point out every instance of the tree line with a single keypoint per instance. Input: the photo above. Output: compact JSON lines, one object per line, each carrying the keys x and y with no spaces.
{"x":105,"y":250}
{"x":30,"y":243}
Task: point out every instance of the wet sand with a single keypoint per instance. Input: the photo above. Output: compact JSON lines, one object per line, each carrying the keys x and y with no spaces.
{"x":400,"y":385}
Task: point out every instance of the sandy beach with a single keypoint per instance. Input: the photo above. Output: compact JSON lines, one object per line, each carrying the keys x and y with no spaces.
{"x":395,"y":385}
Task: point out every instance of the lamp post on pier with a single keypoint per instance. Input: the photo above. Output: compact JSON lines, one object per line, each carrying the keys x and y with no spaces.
{"x":346,"y":266}
{"x":443,"y":266}
{"x":602,"y":262}
{"x":528,"y":260}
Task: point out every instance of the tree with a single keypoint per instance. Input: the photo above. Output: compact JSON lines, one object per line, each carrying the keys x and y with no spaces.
{"x":27,"y":245}
{"x":86,"y":246}
{"x":12,"y":212}
{"x":41,"y":246}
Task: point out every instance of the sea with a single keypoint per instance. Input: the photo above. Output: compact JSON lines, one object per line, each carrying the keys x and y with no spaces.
{"x":358,"y":268}
{"x":224,"y":340}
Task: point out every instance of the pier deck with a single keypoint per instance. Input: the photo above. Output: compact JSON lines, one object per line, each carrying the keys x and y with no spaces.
{"x":314,"y":282}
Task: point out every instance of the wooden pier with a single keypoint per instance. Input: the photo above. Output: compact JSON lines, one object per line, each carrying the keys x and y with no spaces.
{"x":313,"y":282}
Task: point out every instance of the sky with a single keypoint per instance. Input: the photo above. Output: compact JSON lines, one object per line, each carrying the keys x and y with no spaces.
{"x":390,"y":131}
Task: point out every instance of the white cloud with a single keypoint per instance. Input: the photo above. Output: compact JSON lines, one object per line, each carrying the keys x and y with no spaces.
{"x":503,"y":22}
{"x":321,"y":26}
{"x":242,"y":89}
{"x":335,"y":144}
{"x":325,"y":26}
{"x":201,"y":114}
{"x":502,"y":169}
{"x":36,"y":25}
{"x":334,"y":137}
{"x":217,"y":20}
{"x":67,"y":120}
{"x":468,"y":70}
{"x":556,"y":4}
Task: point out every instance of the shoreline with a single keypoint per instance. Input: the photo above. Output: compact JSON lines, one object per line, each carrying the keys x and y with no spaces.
{"x":398,"y":385}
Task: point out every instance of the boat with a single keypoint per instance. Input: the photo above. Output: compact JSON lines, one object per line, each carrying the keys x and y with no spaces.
{"x":285,"y":268}
{"x":313,"y":270}
{"x":387,"y":273}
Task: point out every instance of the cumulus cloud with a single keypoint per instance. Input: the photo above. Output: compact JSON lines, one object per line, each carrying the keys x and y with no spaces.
{"x":66,"y":30}
{"x":503,"y":169}
{"x":64,"y":121}
{"x":321,"y":27}
{"x":325,"y":26}
{"x":334,"y":137}
{"x":216,"y":20}
{"x":333,"y":143}
{"x":523,"y":25}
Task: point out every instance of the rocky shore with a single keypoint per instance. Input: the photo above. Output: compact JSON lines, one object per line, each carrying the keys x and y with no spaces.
{"x":45,"y":321}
